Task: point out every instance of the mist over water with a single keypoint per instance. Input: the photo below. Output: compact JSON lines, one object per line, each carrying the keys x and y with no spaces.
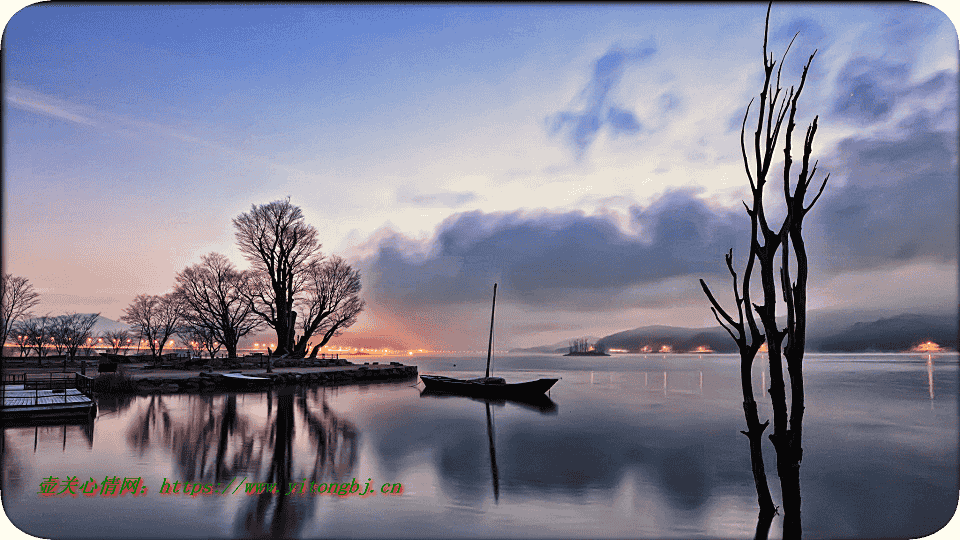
{"x":626,"y":446}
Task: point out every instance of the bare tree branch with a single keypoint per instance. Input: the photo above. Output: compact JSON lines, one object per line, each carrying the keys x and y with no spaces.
{"x":17,"y":297}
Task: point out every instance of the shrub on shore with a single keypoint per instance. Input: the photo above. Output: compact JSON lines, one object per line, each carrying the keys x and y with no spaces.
{"x":114,"y":383}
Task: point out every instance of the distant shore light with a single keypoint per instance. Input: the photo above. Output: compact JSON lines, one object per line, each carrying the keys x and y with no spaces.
{"x":927,"y":346}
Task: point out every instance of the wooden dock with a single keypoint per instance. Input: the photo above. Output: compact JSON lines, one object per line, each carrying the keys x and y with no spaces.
{"x":46,"y":398}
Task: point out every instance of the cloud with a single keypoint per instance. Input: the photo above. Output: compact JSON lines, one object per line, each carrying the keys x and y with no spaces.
{"x":896,"y":199}
{"x":561,"y":259}
{"x":868,"y":90}
{"x":36,"y":102}
{"x":622,"y":121}
{"x":581,"y":126}
{"x":810,"y":35}
{"x":442,"y":199}
{"x":61,"y":109}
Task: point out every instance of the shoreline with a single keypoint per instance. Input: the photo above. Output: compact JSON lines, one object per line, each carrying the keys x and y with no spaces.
{"x":135,"y":379}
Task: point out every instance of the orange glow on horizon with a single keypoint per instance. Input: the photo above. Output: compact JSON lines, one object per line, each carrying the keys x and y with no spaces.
{"x":927,"y":346}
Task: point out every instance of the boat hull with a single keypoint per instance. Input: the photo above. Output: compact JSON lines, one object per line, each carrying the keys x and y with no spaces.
{"x":439,"y":383}
{"x":237,"y":380}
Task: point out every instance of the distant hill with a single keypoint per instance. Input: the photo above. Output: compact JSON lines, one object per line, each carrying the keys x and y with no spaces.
{"x":104,"y":324}
{"x":679,"y":339}
{"x":887,"y":333}
{"x":892,"y":334}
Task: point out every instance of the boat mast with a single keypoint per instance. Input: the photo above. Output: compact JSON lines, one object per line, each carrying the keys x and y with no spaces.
{"x":492,"y":311}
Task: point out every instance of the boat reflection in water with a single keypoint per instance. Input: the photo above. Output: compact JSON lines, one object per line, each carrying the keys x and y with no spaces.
{"x":539,"y":403}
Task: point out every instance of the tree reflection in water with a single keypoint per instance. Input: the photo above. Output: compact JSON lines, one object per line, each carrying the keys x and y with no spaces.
{"x":215,"y":440}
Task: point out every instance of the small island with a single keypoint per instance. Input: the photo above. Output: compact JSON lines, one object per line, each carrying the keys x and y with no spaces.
{"x":582,"y":347}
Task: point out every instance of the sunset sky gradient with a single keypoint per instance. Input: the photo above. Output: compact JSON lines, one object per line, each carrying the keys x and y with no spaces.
{"x":585,"y":157}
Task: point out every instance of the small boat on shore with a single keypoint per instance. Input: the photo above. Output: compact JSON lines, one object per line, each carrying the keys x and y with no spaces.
{"x":237,"y":380}
{"x":487,"y":386}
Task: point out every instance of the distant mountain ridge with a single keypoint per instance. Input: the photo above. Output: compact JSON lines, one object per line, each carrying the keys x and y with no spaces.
{"x":677,"y":338}
{"x":898,"y":333}
{"x":894,"y":333}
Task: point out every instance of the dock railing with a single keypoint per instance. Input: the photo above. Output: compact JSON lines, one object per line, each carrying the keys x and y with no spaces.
{"x":84,"y":384}
{"x":58,"y":384}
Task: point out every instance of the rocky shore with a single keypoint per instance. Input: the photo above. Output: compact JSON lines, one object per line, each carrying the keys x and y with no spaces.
{"x":164,"y":381}
{"x":137,"y":378}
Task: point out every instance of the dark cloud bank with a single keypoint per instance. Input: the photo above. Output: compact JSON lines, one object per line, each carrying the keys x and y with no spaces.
{"x":547,"y":258}
{"x":890,"y":201}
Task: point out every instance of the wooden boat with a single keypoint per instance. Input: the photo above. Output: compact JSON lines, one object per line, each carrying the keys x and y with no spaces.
{"x":487,"y":386}
{"x":237,"y":380}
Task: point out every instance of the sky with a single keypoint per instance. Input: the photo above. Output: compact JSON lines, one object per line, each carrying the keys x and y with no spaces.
{"x":586,"y":158}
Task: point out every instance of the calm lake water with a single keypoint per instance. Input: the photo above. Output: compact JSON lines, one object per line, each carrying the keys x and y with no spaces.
{"x":627,"y":446}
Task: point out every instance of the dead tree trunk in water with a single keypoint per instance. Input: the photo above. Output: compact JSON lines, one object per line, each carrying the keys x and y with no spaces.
{"x":748,"y":351}
{"x":765,"y":244}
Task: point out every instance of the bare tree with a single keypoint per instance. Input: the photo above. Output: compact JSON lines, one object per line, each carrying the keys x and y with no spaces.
{"x":200,"y":339}
{"x":281,"y":246}
{"x":217,"y":297}
{"x":58,"y":333}
{"x":37,"y":330}
{"x":748,"y":342}
{"x":155,"y":318}
{"x":187,"y":335}
{"x":76,"y":330}
{"x":765,"y":244}
{"x":116,"y":340}
{"x":19,"y":333}
{"x":17,"y":297}
{"x":332,"y":302}
{"x":579,"y":345}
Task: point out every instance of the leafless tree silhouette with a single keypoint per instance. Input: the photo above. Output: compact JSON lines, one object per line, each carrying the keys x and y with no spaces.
{"x":116,"y":340}
{"x":19,"y":334}
{"x":72,"y":330}
{"x":217,"y":296}
{"x":37,"y":331}
{"x":17,"y":297}
{"x":281,"y":246}
{"x":155,"y":318}
{"x":775,"y":105}
{"x":332,"y":301}
{"x":292,"y":280}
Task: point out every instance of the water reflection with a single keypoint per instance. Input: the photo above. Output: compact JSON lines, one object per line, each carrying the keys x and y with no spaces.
{"x":625,"y":459}
{"x":539,"y":403}
{"x":48,"y":429}
{"x":213,"y":440}
{"x":493,"y":457}
{"x":676,"y":382}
